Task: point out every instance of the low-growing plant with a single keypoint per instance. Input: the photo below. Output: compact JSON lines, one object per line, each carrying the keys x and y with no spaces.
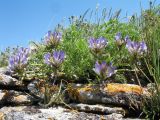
{"x":54,"y":61}
{"x":18,"y":62}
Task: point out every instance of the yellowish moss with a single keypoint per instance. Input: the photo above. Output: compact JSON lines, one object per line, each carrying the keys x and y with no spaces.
{"x":125,"y":88}
{"x":72,"y":92}
{"x":41,"y":86}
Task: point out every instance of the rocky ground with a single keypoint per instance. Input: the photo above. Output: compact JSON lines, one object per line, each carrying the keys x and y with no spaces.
{"x":19,"y":101}
{"x":55,"y":113}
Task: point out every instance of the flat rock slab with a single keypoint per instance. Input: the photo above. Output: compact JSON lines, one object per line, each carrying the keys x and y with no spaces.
{"x":58,"y":113}
{"x":15,"y":98}
{"x":8,"y":82}
{"x":112,"y":94}
{"x":55,"y":113}
{"x":98,"y":109}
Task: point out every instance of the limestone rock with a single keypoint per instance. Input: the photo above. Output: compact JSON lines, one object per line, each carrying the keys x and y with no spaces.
{"x":114,"y":94}
{"x":7,"y":82}
{"x":98,"y":109}
{"x":36,"y":87}
{"x":58,"y":113}
{"x":5,"y":70}
{"x":15,"y":98}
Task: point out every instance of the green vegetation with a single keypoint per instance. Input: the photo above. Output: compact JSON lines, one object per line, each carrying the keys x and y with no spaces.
{"x":133,"y":58}
{"x":150,"y":31}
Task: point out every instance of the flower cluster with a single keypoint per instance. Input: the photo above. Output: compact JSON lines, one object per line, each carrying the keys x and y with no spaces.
{"x":104,"y":70}
{"x":136,"y":48}
{"x":97,"y":45}
{"x":19,"y":60}
{"x":53,"y":38}
{"x":55,"y":59}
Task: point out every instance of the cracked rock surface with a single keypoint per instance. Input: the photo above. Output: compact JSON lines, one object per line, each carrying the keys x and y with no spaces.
{"x":56,"y":113}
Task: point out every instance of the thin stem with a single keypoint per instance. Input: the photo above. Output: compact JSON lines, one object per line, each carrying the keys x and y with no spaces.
{"x":125,"y":70}
{"x":55,"y":75}
{"x":53,"y":98}
{"x":137,"y":76}
{"x":151,"y":73}
{"x":144,"y":74}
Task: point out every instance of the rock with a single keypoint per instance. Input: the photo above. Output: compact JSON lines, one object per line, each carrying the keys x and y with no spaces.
{"x":56,"y":113}
{"x":36,"y":87}
{"x":127,"y":95}
{"x":9,"y":83}
{"x":5,"y":70}
{"x":133,"y":119}
{"x":113,"y":116}
{"x":98,"y":109}
{"x":8,"y":80}
{"x":2,"y":95}
{"x":15,"y":98}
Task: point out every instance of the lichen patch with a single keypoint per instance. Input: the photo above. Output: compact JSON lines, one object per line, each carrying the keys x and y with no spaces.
{"x":123,"y":88}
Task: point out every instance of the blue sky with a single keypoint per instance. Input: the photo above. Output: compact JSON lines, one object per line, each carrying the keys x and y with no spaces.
{"x":24,"y":20}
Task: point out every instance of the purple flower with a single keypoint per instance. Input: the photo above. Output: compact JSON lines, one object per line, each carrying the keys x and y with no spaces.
{"x":136,"y":48}
{"x":53,"y":38}
{"x":55,"y":59}
{"x":97,"y":45}
{"x":19,"y":60}
{"x":126,"y":38}
{"x":118,"y":39}
{"x":47,"y":58}
{"x":104,"y":70}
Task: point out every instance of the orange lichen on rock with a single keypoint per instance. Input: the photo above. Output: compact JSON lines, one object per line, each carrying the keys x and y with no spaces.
{"x":123,"y":88}
{"x":86,"y":88}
